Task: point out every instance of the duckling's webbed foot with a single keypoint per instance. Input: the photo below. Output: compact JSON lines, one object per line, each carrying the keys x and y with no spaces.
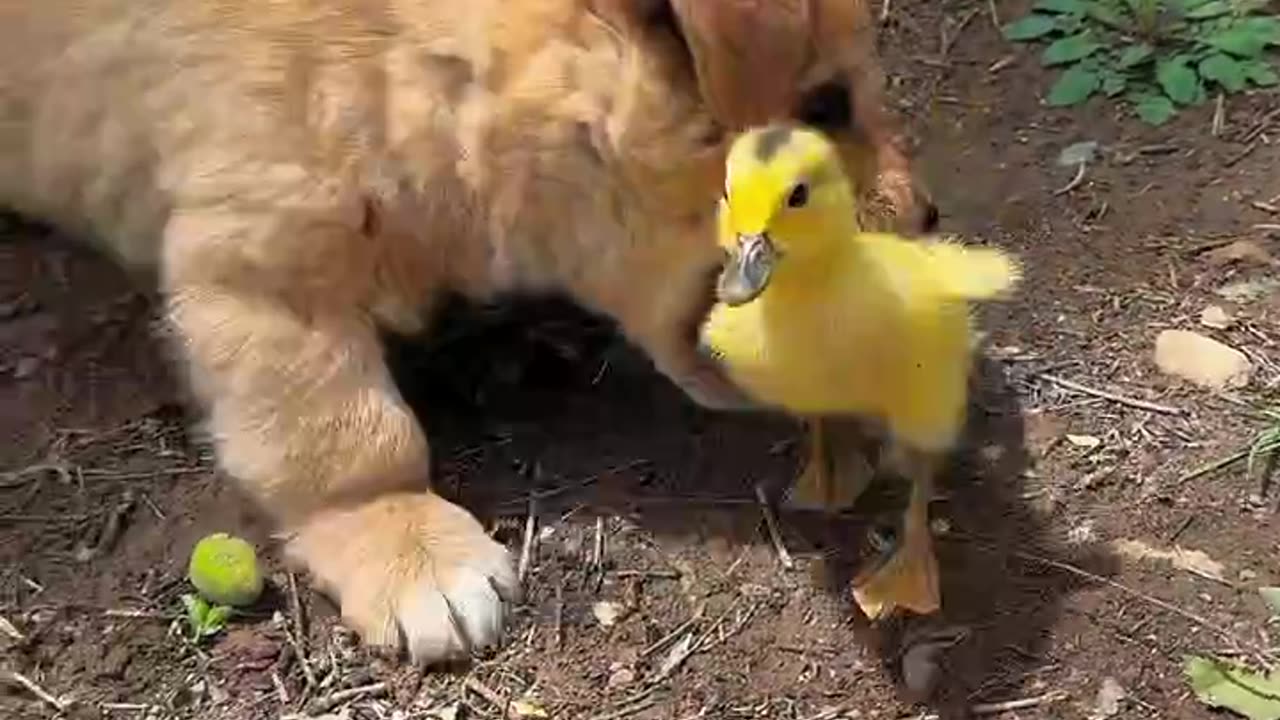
{"x":837,"y":470}
{"x":909,"y":578}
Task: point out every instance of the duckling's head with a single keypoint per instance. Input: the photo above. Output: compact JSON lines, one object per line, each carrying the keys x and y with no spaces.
{"x":787,"y":205}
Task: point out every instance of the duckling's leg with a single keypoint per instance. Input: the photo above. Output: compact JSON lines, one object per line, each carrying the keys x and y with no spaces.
{"x":834,"y":475}
{"x":909,"y":578}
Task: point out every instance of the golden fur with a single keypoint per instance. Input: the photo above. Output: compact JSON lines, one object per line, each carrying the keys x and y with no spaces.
{"x":301,"y":172}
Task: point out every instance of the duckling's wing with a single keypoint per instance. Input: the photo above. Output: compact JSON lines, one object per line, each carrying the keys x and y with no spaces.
{"x":942,"y":268}
{"x":971,"y":273}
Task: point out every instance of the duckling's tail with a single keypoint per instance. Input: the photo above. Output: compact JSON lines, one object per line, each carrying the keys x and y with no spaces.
{"x":972,"y":273}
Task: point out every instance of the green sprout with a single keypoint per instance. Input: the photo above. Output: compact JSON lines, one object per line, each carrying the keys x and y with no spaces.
{"x":1156,"y":55}
{"x":203,"y":619}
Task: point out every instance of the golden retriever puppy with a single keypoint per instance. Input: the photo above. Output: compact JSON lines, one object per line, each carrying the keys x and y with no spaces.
{"x":301,"y":173}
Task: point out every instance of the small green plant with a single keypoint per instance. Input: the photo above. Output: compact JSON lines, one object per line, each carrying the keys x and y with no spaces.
{"x":203,"y":619}
{"x":1156,"y":55}
{"x":1266,"y":442}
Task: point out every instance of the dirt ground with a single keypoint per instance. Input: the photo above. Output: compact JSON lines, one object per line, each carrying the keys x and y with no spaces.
{"x":655,"y":592}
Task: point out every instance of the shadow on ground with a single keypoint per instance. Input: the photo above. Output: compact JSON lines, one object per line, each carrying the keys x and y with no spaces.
{"x":575,"y":418}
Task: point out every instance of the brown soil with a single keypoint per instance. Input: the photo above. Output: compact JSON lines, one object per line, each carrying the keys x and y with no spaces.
{"x":105,"y":489}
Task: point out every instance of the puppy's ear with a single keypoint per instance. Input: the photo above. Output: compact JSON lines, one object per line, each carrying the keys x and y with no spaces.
{"x":746,"y":55}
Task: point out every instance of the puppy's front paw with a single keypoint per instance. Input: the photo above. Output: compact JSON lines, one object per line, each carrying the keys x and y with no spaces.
{"x":411,"y":569}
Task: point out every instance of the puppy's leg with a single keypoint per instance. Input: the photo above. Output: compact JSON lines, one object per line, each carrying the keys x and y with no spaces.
{"x":660,"y":301}
{"x":307,"y":417}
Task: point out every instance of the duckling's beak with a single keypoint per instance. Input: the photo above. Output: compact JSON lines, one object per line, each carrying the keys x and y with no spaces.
{"x":748,"y":270}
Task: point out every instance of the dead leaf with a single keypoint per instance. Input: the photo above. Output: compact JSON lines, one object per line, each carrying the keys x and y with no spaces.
{"x":1195,"y":562}
{"x":607,"y":612}
{"x":1240,"y":251}
{"x":1107,"y":702}
{"x":1084,"y":441}
{"x":527,"y":709}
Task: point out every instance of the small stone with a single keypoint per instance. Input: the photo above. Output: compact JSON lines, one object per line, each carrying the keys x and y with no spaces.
{"x":1247,"y":575}
{"x":621,"y":677}
{"x":1217,"y":318}
{"x":1201,"y":360}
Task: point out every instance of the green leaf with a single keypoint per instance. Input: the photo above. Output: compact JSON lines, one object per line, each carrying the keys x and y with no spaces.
{"x":1240,"y":41}
{"x":1178,"y":80}
{"x":1106,"y":15}
{"x":1069,"y":49}
{"x":1218,"y":684}
{"x":1223,"y":70}
{"x":1153,"y":109}
{"x":1212,"y":9}
{"x":216,"y":619}
{"x":1267,"y":28}
{"x":1073,"y":87}
{"x":1029,"y":28}
{"x":197,"y":612}
{"x":1260,"y":73}
{"x":197,"y":608}
{"x":1135,"y":55}
{"x":1189,"y":5}
{"x":1271,"y":595}
{"x":1066,"y":7}
{"x":1113,"y":83}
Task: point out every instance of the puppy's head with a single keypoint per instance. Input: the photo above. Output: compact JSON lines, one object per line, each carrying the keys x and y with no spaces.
{"x":699,"y":71}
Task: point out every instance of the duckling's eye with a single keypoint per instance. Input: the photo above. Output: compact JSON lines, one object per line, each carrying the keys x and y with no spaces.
{"x":799,"y":196}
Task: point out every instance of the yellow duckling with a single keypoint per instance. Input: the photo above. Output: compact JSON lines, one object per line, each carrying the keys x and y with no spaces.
{"x":821,"y":319}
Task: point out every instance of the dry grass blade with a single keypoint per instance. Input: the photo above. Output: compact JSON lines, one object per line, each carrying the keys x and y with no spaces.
{"x":8,"y":628}
{"x":341,"y":697}
{"x":16,"y":678}
{"x":1105,"y":395}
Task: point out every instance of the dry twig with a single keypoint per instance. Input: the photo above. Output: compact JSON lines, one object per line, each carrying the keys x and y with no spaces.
{"x":341,"y":697}
{"x":8,"y":628}
{"x":1113,"y":397}
{"x":997,"y":708}
{"x":16,"y":678}
{"x":1074,"y":182}
{"x":297,"y":635}
{"x":771,"y":523}
{"x":559,"y":616}
{"x":597,"y":548}
{"x":526,"y":548}
{"x":1221,"y":631}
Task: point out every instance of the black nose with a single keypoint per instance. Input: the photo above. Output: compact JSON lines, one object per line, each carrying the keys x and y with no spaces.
{"x":930,"y":217}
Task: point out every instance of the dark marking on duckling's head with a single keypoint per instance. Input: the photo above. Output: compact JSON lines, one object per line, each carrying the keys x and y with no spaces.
{"x":771,"y":141}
